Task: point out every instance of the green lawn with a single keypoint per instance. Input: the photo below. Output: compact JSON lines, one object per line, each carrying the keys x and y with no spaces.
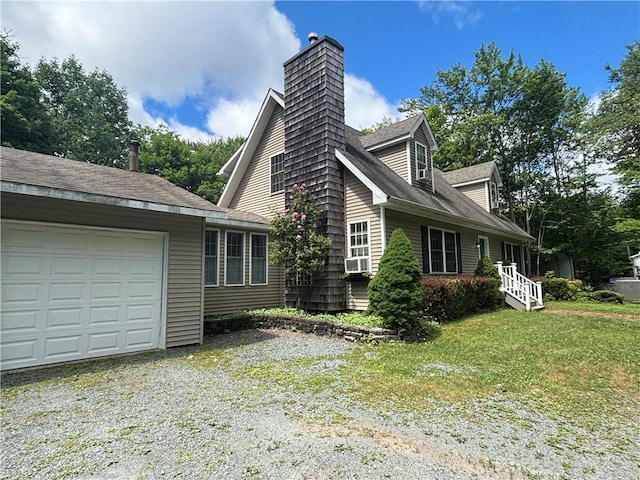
{"x":582,"y":368}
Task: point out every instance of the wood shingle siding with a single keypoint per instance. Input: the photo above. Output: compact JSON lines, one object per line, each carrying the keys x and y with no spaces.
{"x":314,"y":129}
{"x":254,"y":194}
{"x":184,"y":282}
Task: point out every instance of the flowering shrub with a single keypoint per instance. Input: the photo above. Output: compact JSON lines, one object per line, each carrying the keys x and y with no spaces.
{"x":296,"y":245}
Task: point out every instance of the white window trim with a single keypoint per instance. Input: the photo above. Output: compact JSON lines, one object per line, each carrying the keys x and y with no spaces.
{"x":244,"y":258}
{"x":444,"y":259}
{"x":494,"y":185}
{"x":217,"y":258}
{"x":486,"y":239}
{"x":428,"y":164}
{"x":271,"y":173}
{"x":266,"y":259}
{"x":368,"y":257}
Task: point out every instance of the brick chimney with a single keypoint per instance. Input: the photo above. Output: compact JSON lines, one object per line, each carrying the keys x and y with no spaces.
{"x":313,"y":128}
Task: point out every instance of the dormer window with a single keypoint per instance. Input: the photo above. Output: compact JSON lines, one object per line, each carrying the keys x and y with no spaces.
{"x":424,"y":170}
{"x":493,"y":195}
{"x":277,"y":173}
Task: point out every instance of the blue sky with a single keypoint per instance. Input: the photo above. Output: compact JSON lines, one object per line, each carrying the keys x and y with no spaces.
{"x":203,"y":67}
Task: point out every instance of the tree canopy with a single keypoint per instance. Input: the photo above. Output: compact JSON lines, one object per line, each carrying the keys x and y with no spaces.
{"x":539,"y":132}
{"x":59,"y":109}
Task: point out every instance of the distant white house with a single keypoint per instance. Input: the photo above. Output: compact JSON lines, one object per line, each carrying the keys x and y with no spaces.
{"x":635,"y":260}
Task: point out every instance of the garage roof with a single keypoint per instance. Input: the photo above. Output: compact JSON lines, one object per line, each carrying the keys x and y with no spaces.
{"x":45,"y":175}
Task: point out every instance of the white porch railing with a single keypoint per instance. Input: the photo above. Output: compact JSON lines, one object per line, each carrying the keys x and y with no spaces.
{"x":515,"y":285}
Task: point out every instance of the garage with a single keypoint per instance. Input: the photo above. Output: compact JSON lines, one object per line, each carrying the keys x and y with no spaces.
{"x":74,"y":292}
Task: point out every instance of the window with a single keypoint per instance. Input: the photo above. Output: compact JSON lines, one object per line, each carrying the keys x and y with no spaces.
{"x":211,"y":258}
{"x":358,"y":241}
{"x":443,"y":251}
{"x":511,"y":253}
{"x":493,"y":195}
{"x":258,"y":262}
{"x":483,"y":247}
{"x":423,"y":163}
{"x":277,"y":173}
{"x":234,"y":260}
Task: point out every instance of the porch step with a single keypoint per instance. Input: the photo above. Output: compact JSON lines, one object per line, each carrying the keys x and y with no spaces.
{"x":513,"y":302}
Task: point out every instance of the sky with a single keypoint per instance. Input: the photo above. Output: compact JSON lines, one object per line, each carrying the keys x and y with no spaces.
{"x":203,"y":68}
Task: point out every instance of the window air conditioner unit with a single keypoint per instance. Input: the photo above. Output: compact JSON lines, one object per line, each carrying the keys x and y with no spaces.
{"x":356,"y":265}
{"x":422,"y":174}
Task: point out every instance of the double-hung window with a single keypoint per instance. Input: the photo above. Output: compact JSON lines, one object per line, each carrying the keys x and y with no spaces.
{"x":358,"y":241}
{"x":234,"y":259}
{"x":423,"y":163}
{"x":211,"y":258}
{"x":443,"y":251}
{"x":258,"y":262}
{"x":277,"y":173}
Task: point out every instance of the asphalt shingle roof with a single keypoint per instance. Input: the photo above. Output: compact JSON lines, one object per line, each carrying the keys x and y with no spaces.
{"x":469,"y":174}
{"x":23,"y":167}
{"x":395,"y":130}
{"x":446,"y":199}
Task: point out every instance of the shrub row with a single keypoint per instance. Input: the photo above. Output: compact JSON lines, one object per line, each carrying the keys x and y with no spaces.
{"x":556,"y":288}
{"x":447,"y":299}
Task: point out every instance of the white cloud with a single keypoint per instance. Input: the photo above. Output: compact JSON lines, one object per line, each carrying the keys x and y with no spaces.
{"x":222,"y":55}
{"x":364,"y":106}
{"x":461,"y":13}
{"x":231,"y":118}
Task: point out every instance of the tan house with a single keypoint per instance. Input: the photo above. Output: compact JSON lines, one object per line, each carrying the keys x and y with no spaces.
{"x":100,"y":261}
{"x":369,"y":184}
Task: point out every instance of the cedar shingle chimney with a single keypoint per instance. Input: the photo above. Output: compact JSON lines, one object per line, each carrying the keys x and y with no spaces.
{"x":313,"y":128}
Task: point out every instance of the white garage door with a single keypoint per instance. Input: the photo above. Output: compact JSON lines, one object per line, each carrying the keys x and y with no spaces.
{"x":70,"y":293}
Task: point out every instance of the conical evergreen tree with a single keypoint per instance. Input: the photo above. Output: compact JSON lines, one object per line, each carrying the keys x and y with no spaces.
{"x":395,"y":293}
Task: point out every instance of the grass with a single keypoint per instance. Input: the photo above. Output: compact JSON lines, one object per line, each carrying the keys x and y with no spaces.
{"x":584,"y":306}
{"x":582,"y":368}
{"x":570,"y":365}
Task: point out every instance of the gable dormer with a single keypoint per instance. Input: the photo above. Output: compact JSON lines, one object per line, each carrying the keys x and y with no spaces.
{"x":481,"y":183}
{"x":406,"y":147}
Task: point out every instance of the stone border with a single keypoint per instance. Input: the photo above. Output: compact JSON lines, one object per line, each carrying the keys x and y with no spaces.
{"x":352,"y":333}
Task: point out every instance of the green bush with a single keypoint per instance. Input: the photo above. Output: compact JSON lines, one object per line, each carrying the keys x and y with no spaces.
{"x":394,"y":292}
{"x":447,"y":299}
{"x":606,"y":296}
{"x":486,"y":268}
{"x":556,"y":289}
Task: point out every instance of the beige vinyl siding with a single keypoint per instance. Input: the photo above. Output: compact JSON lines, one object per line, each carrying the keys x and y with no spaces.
{"x":395,"y":157}
{"x":357,"y":296}
{"x":223,"y":299}
{"x":254,"y":190}
{"x":184,"y":282}
{"x":477,"y":192}
{"x":411,"y":224}
{"x":359,"y":207}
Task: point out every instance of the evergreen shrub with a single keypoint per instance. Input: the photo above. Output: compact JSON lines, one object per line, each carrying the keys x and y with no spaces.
{"x":394,"y":292}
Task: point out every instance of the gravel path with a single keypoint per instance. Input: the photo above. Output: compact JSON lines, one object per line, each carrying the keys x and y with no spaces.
{"x":163,"y":415}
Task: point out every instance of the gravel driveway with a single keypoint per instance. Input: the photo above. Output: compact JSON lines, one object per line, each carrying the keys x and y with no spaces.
{"x":187,"y":413}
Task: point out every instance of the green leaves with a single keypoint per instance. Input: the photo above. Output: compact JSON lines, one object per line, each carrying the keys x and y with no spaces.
{"x":296,"y":244}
